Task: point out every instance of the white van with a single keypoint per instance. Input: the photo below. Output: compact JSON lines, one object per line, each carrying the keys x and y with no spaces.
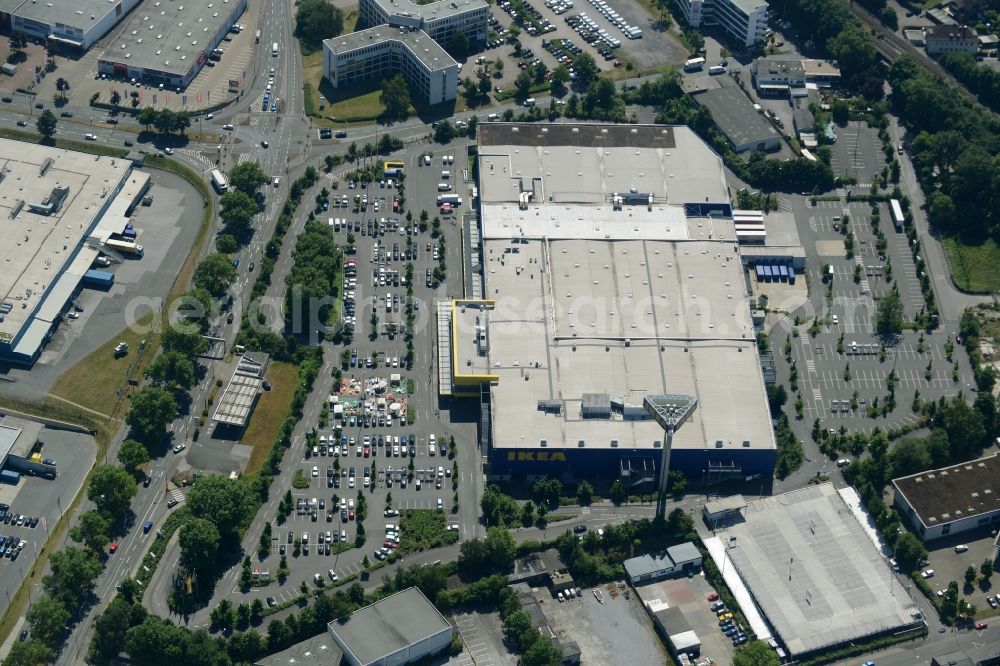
{"x":444,"y":187}
{"x":493,"y":117}
{"x":274,"y":50}
{"x":445,"y":175}
{"x":530,"y":101}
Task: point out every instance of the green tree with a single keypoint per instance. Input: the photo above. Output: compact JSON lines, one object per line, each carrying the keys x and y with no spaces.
{"x":237,"y":209}
{"x":500,"y":549}
{"x":542,"y":653}
{"x":853,"y":48}
{"x":586,"y":69}
{"x":908,"y":551}
{"x":986,"y":569}
{"x":199,"y":541}
{"x":316,"y":20}
{"x":214,"y":274}
{"x":584,"y":493}
{"x":179,"y":338}
{"x":29,"y":653}
{"x":18,"y":42}
{"x":172,"y":370}
{"x":246,"y":646}
{"x":522,"y":86}
{"x":151,"y":410}
{"x":62,"y":85}
{"x":247,"y":177}
{"x":111,"y":489}
{"x":618,"y":493}
{"x":132,"y":454}
{"x":444,"y":132}
{"x":395,"y":97}
{"x":93,"y":531}
{"x":47,"y":618}
{"x":559,"y":80}
{"x":72,"y":574}
{"x":46,"y":124}
{"x":755,"y":653}
{"x":964,"y":427}
{"x":889,"y":316}
{"x":222,"y":501}
{"x":109,"y":632}
{"x":498,"y":508}
{"x":970,"y":575}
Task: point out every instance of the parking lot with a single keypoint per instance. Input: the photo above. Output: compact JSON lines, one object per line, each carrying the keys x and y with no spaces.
{"x":617,"y":631}
{"x":845,"y":361}
{"x":483,"y":639}
{"x":857,"y":153}
{"x":949,"y":565}
{"x":382,"y":403}
{"x":41,"y":500}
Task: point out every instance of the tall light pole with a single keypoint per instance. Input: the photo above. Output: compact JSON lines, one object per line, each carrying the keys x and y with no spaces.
{"x":670,"y":410}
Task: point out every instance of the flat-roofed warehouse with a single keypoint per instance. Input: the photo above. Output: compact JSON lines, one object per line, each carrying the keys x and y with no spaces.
{"x":167,"y":42}
{"x":75,"y":25}
{"x":401,"y":629}
{"x":611,"y":271}
{"x":52,"y":202}
{"x":815,"y":574}
{"x":947,"y":501}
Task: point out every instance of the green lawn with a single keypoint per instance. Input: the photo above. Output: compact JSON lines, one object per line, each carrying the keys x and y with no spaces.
{"x":974,"y":267}
{"x":422,"y":529}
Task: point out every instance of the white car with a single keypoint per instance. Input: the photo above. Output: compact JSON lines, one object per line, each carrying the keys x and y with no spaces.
{"x":835,"y":319}
{"x":440,"y":504}
{"x":928,"y":573}
{"x":332,"y":574}
{"x":315,"y":470}
{"x":90,"y":137}
{"x":168,"y":151}
{"x":961,"y":548}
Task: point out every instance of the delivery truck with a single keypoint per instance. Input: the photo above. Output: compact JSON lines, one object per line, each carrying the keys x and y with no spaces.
{"x":123,"y":246}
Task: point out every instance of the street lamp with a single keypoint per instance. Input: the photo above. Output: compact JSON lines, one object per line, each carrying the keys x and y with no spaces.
{"x":670,"y":410}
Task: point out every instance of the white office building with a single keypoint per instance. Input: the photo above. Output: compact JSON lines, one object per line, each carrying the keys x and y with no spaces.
{"x":383,"y":52}
{"x":745,"y":20}
{"x":441,"y":20}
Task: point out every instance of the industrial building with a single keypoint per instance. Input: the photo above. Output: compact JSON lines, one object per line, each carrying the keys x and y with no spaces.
{"x":674,"y":626}
{"x":70,"y":26}
{"x":167,"y":43}
{"x":402,"y":628}
{"x":779,"y":76}
{"x":951,"y":500}
{"x":441,"y":20}
{"x":19,"y":446}
{"x":382,"y":52}
{"x":606,"y":281}
{"x":810,"y":568}
{"x":736,"y":118}
{"x":745,"y":20}
{"x":59,"y":207}
{"x":679,"y":559}
{"x":240,"y":397}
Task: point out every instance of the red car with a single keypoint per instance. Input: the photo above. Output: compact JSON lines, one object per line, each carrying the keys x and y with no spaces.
{"x":714,"y":596}
{"x":350,"y":514}
{"x":114,"y":547}
{"x":981,"y":625}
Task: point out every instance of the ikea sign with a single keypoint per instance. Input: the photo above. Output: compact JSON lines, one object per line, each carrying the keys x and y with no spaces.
{"x":536,"y":456}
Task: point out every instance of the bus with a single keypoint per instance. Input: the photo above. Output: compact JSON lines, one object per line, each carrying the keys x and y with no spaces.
{"x":694,"y":64}
{"x":219,"y":182}
{"x":897,"y":214}
{"x":393,"y":164}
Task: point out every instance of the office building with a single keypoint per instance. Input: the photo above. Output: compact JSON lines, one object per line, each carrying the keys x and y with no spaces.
{"x":441,"y":20}
{"x":382,"y":52}
{"x":167,"y":43}
{"x":941,"y":39}
{"x":951,"y":500}
{"x":745,"y":20}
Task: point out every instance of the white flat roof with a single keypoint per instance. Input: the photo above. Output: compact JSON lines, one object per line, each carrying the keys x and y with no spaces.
{"x":40,"y":248}
{"x":625,"y":318}
{"x":815,"y":574}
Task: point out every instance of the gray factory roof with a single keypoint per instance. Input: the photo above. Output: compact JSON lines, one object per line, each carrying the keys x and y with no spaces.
{"x":42,"y":249}
{"x":82,"y":14}
{"x":671,"y":163}
{"x":748,"y":6}
{"x":168,"y":36}
{"x":389,"y":625}
{"x":416,"y":42}
{"x":624,"y":318}
{"x":319,"y":650}
{"x":430,"y":11}
{"x":944,"y":495}
{"x":814,"y":572}
{"x":735,"y":116}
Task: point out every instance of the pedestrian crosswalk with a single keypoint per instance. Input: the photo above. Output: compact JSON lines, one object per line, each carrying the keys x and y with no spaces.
{"x":176,"y":496}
